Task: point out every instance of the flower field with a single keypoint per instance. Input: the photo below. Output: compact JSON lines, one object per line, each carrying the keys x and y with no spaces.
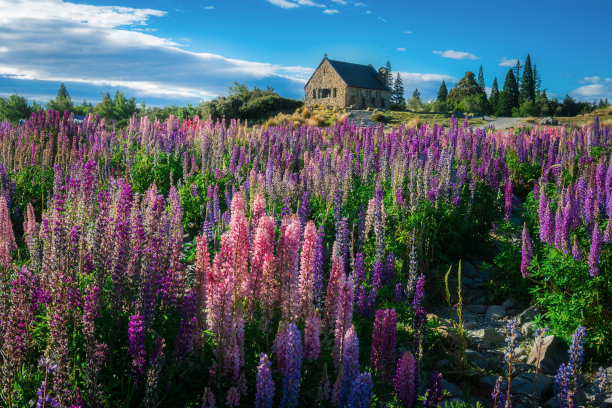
{"x":197,"y":263}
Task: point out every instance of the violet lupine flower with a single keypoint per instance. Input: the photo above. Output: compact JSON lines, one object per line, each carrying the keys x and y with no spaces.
{"x":186,"y":338}
{"x":400,"y":197}
{"x":596,"y":242}
{"x":233,"y":397}
{"x":350,"y":364}
{"x":383,"y":355}
{"x":288,"y":349}
{"x":45,"y":399}
{"x":527,"y":252}
{"x":304,"y":210}
{"x":576,"y":251}
{"x":497,"y":393}
{"x":208,"y":399}
{"x":508,"y":200}
{"x":286,"y":211}
{"x":412,"y":268}
{"x":419,"y":293}
{"x":361,"y":392}
{"x":379,"y":226}
{"x":264,"y":395}
{"x":566,"y":380}
{"x":389,"y":269}
{"x":405,"y":381}
{"x":377,"y":276}
{"x":398,"y":293}
{"x":601,"y":382}
{"x":136,"y":333}
{"x":344,"y":316}
{"x":433,"y":395}
{"x":312,"y":334}
{"x":561,"y":385}
{"x":359,"y":269}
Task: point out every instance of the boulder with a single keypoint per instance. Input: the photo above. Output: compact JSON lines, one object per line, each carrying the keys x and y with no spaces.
{"x":523,"y":384}
{"x":527,"y":315}
{"x":453,"y":389}
{"x":468,"y":270}
{"x":528,"y":329}
{"x":470,"y":325}
{"x":478,"y":309}
{"x":476,"y":358}
{"x":496,"y":312}
{"x":549,"y":121}
{"x":510,"y":303}
{"x":487,"y":338}
{"x":553,"y":353}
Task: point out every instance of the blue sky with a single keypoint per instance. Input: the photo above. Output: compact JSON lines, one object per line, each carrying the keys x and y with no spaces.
{"x":170,"y":52}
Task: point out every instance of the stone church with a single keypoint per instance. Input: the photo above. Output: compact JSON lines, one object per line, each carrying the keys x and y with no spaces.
{"x":347,"y":85}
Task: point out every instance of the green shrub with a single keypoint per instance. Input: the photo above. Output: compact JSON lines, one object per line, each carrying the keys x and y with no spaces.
{"x":379,"y":117}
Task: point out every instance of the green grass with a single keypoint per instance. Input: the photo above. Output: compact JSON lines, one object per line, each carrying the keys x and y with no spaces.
{"x":397,"y":118}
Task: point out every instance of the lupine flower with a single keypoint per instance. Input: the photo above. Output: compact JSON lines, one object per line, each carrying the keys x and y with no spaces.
{"x":344,"y":316}
{"x":596,"y":242}
{"x":307,"y":270}
{"x":383,"y":355}
{"x":412,"y":268}
{"x":566,"y":380}
{"x":405,"y":381}
{"x":333,"y":289}
{"x":496,"y":393}
{"x":389,"y":269}
{"x":264,"y":396}
{"x":136,"y":333}
{"x":527,"y":252}
{"x":208,"y":399}
{"x":233,"y":397}
{"x":312,"y":334}
{"x":576,"y":251}
{"x":361,"y":392}
{"x":601,"y":382}
{"x":508,"y":200}
{"x":433,"y":394}
{"x":398,"y":292}
{"x":7,"y":239}
{"x":350,"y":364}
{"x":318,"y":267}
{"x":288,"y":349}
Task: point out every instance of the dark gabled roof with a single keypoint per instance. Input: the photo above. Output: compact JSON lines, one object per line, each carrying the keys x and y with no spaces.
{"x":357,"y":75}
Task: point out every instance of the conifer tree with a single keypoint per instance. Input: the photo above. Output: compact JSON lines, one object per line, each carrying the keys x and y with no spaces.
{"x":527,"y":92}
{"x":398,"y":90}
{"x":537,"y":81}
{"x":442,"y":92}
{"x":508,"y":99}
{"x":517,"y":71}
{"x":389,"y":76}
{"x":494,"y":98}
{"x":62,"y":102}
{"x":481,"y":81}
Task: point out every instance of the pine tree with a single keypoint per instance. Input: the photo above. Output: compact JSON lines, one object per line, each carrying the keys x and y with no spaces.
{"x":398,"y":90}
{"x":481,"y":81}
{"x":527,"y":84}
{"x":494,"y":98}
{"x":442,"y":92}
{"x":389,"y":76}
{"x":517,"y":71}
{"x":105,"y":107}
{"x":467,"y":86}
{"x":62,"y":102}
{"x":415,"y":102}
{"x":508,"y":99}
{"x":537,"y":81}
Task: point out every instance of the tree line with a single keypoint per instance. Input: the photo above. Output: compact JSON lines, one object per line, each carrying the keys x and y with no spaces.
{"x":521,"y":95}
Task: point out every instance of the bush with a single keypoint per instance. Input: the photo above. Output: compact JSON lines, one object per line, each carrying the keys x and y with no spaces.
{"x":379,"y":117}
{"x":398,"y":107}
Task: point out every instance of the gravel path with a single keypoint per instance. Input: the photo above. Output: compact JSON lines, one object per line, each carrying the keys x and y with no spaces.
{"x":501,"y":123}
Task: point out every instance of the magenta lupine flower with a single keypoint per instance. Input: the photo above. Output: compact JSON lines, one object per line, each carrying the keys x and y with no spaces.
{"x":596,"y":242}
{"x":7,"y":239}
{"x":288,"y":349}
{"x":307,"y":265}
{"x":405,"y":381}
{"x":136,"y":333}
{"x":433,"y":394}
{"x":419,"y":292}
{"x":383,"y":355}
{"x":200,"y":282}
{"x":239,"y":232}
{"x":359,"y":269}
{"x":350,"y":364}
{"x":508,"y":200}
{"x":263,"y":253}
{"x":318,"y":267}
{"x":527,"y":252}
{"x":312,"y":334}
{"x":400,"y":197}
{"x":264,"y":395}
{"x":344,"y":316}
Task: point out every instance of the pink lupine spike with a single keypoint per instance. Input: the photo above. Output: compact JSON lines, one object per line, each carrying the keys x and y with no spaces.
{"x":307,"y":267}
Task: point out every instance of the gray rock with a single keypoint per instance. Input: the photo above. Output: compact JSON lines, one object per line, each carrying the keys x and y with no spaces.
{"x":445,"y":363}
{"x":608,"y":402}
{"x":527,"y":315}
{"x":523,"y":384}
{"x":495,"y":312}
{"x":549,"y":121}
{"x":528,"y":329}
{"x":468,"y":270}
{"x":520,"y":351}
{"x":553,"y":353}
{"x":490,"y":380}
{"x":478,"y":309}
{"x":487,"y":337}
{"x":453,"y":389}
{"x":470,"y":325}
{"x":476,"y":358}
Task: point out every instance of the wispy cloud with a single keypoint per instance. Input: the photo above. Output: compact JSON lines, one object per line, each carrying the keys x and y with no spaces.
{"x":458,"y":55}
{"x":427,"y":83}
{"x":99,"y":46}
{"x":341,"y":2}
{"x":598,"y":88}
{"x":294,"y":3}
{"x":330,"y":11}
{"x":360,"y":4}
{"x":402,"y":49}
{"x":407,"y":32}
{"x":209,"y":7}
{"x":507,"y":62}
{"x":381,"y":19}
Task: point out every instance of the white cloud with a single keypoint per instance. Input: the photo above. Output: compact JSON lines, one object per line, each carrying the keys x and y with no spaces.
{"x":407,"y":32}
{"x":367,"y":12}
{"x":596,"y":80}
{"x":360,"y":4}
{"x":599,"y":88}
{"x":402,"y":49}
{"x":508,"y":62}
{"x":54,"y":40}
{"x":427,"y":83}
{"x":341,"y":2}
{"x":209,"y":7}
{"x":381,"y":19}
{"x":458,"y":55}
{"x":283,"y":3}
{"x":330,"y":11}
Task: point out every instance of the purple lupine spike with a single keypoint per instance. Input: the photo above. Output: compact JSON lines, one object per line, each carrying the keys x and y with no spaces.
{"x":596,"y":242}
{"x":304,"y":210}
{"x":264,"y":395}
{"x":400,"y":197}
{"x":359,"y":271}
{"x":383,"y":355}
{"x":497,"y":393}
{"x":286,"y":209}
{"x":361,"y":392}
{"x":433,"y":394}
{"x":288,"y":349}
{"x":508,"y":200}
{"x":136,"y":333}
{"x":398,"y":294}
{"x":576,"y":251}
{"x":350,"y":364}
{"x":527,"y":252}
{"x":389,"y":269}
{"x":601,"y":383}
{"x":419,"y":292}
{"x":405,"y":381}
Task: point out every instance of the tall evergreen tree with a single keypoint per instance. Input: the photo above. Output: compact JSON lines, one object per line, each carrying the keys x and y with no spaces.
{"x":537,"y":81}
{"x":467,"y":86}
{"x":481,"y":81}
{"x":62,"y":101}
{"x":517,"y":71}
{"x":398,"y":90}
{"x":389,"y":75}
{"x":494,"y":98}
{"x":508,"y":98}
{"x":442,"y":92}
{"x":527,"y":92}
{"x":105,"y":107}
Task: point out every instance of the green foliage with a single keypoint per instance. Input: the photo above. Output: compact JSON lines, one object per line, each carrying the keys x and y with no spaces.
{"x":442,"y":92}
{"x":494,"y":98}
{"x":379,"y":117}
{"x":529,"y":108}
{"x":467,"y":86}
{"x":397,"y":95}
{"x":62,"y":102}
{"x":14,"y":108}
{"x":162,"y":169}
{"x":415,"y":103}
{"x":528,"y":91}
{"x":473,"y":104}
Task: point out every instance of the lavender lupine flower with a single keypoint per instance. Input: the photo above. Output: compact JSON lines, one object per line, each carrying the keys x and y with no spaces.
{"x":496,"y":393}
{"x":350,"y":364}
{"x":288,"y":349}
{"x":359,"y":269}
{"x":596,"y":242}
{"x":576,"y":251}
{"x":45,"y":399}
{"x":601,"y":382}
{"x":377,"y":276}
{"x":400,"y":197}
{"x":420,"y":291}
{"x":412,"y":268}
{"x":405,"y":381}
{"x":361,"y":392}
{"x":136,"y":333}
{"x":389,"y":269}
{"x":383,"y":355}
{"x":566,"y":380}
{"x":398,"y":293}
{"x":527,"y":252}
{"x":286,"y":211}
{"x":208,"y":399}
{"x":508,"y":200}
{"x":304,"y":210}
{"x":233,"y":397}
{"x":318,"y":267}
{"x":433,"y":395}
{"x":264,"y":396}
